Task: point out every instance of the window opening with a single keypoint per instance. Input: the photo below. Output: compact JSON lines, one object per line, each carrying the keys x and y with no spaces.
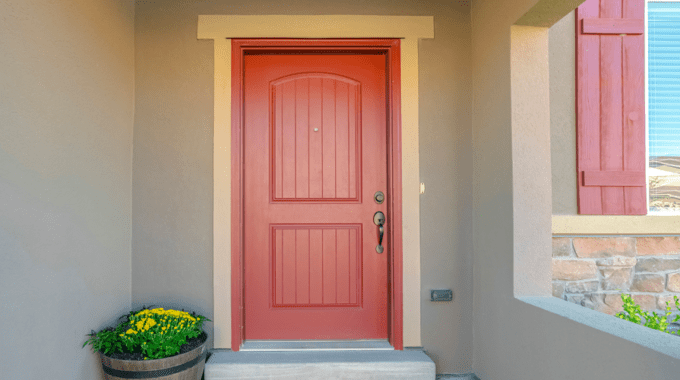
{"x":663,"y":102}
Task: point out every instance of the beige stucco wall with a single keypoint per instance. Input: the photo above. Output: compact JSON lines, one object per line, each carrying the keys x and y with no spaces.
{"x":520,"y":331}
{"x":66,"y":117}
{"x":563,"y":115}
{"x":173,"y":160}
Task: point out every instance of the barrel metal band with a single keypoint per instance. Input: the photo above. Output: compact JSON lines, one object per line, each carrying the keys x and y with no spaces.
{"x":155,"y":373}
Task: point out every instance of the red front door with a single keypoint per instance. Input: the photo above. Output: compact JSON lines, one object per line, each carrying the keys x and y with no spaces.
{"x":314,"y":156}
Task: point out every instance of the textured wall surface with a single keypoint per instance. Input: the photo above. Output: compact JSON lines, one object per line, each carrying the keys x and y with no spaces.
{"x":66,"y":116}
{"x":172,"y":169}
{"x":563,"y":115}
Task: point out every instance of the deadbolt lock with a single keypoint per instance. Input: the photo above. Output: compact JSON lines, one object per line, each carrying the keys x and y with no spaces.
{"x":379,"y":197}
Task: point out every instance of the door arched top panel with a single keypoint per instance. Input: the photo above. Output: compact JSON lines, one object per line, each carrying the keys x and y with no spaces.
{"x":315,"y":138}
{"x":310,"y":75}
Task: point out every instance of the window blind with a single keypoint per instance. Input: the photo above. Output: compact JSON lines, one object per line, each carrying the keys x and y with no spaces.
{"x":663,"y":83}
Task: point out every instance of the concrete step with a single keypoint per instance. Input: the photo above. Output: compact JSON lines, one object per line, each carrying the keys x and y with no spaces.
{"x":327,"y":365}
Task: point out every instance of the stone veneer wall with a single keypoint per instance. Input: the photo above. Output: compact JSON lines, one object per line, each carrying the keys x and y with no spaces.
{"x":594,"y":271}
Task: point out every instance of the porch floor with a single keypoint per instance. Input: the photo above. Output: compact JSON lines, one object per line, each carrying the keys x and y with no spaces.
{"x":300,"y":365}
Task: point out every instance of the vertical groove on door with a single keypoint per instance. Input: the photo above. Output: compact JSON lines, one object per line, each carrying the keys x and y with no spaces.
{"x":302,"y":249}
{"x":336,"y":251}
{"x":302,"y":139}
{"x":278,"y":140}
{"x":342,"y":140}
{"x":309,"y":265}
{"x":278,"y":262}
{"x":316,"y":141}
{"x":349,"y":158}
{"x":611,"y":127}
{"x":342,"y":243}
{"x":309,"y":131}
{"x":289,"y":266}
{"x":328,"y":138}
{"x":352,"y":140}
{"x":295,"y":254}
{"x":350,"y":268}
{"x":353,"y":266}
{"x":329,"y":274}
{"x":288,"y":139}
{"x":335,"y":157}
{"x":316,"y":262}
{"x":295,"y":138}
{"x":283,"y":269}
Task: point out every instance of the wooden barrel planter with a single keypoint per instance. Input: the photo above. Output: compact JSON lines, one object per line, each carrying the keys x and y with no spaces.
{"x":186,"y":366}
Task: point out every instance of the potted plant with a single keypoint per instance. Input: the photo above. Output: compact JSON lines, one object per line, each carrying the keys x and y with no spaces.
{"x":152,"y":343}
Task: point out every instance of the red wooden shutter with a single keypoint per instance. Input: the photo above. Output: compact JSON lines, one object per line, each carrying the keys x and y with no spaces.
{"x":610,"y":109}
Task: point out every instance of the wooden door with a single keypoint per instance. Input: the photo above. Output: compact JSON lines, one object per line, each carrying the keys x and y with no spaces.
{"x":314,"y":141}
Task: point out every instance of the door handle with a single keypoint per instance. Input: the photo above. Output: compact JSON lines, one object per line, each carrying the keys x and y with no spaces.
{"x":379,"y":220}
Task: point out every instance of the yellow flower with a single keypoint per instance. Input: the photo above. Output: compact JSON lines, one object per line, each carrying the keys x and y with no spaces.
{"x":142,"y":313}
{"x":131,"y":331}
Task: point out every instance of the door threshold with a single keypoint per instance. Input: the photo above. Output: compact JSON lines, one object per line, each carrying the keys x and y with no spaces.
{"x":317,"y":345}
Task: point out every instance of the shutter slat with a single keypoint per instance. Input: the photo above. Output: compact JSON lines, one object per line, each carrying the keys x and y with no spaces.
{"x":614,"y":178}
{"x":612,"y":26}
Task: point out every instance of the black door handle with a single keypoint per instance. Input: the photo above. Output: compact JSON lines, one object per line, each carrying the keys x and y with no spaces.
{"x":379,"y":220}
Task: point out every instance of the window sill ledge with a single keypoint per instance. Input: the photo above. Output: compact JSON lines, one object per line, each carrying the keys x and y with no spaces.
{"x":615,"y":225}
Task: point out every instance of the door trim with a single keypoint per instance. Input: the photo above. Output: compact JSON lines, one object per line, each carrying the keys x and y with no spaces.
{"x":390,"y":47}
{"x":220,"y":29}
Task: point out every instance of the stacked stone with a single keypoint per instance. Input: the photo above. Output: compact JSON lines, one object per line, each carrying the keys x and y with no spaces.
{"x":594,"y":271}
